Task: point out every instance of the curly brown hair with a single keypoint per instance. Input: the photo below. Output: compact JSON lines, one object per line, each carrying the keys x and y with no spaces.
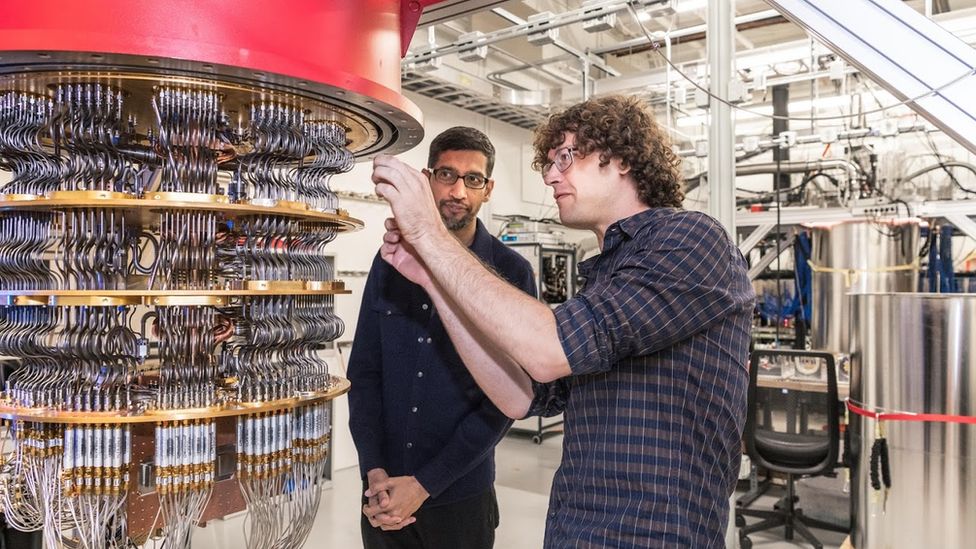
{"x":618,"y":127}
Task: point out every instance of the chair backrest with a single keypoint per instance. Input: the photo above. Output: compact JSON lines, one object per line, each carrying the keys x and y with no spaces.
{"x":777,"y":399}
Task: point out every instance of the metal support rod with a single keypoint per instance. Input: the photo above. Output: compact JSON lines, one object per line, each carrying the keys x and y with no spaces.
{"x":781,"y":101}
{"x":584,"y":57}
{"x":721,"y":131}
{"x":964,"y":223}
{"x":776,"y":141}
{"x":755,"y":237}
{"x":585,"y":69}
{"x":767,"y":259}
{"x":681,"y":33}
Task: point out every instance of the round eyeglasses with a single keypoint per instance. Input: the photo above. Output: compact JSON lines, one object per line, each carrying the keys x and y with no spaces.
{"x":562,"y":160}
{"x":447,"y":176}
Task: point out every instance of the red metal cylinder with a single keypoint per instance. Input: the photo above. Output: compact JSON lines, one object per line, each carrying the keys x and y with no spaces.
{"x":351,"y":45}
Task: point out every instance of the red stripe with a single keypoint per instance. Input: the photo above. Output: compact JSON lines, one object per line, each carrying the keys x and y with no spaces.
{"x":907,"y":416}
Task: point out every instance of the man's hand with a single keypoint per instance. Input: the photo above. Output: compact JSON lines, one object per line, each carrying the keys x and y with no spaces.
{"x":406,"y":496}
{"x":402,"y":256}
{"x":409,"y":195}
{"x":378,"y":499}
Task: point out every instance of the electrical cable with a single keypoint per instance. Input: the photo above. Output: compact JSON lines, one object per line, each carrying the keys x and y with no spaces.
{"x":941,"y":164}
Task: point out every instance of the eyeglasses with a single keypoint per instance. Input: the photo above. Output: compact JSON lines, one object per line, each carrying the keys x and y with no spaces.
{"x":562,"y":160}
{"x":447,"y":176}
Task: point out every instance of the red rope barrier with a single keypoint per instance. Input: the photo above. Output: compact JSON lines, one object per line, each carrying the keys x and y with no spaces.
{"x":909,"y":416}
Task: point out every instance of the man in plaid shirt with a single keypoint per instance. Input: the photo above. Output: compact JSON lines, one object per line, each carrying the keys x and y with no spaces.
{"x":647,"y":363}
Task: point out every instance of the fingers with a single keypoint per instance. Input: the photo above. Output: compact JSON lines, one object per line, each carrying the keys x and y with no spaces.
{"x":382,"y":486}
{"x":388,"y":253}
{"x":390,"y":224}
{"x":400,"y":525}
{"x":389,"y":175}
{"x":388,"y":162}
{"x":392,"y":237}
{"x":385,"y":191}
{"x":385,"y":160}
{"x":377,"y":497}
{"x":380,"y":520}
{"x":386,"y":172}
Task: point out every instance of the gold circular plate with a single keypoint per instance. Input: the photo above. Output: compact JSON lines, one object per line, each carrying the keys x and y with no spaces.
{"x":178,"y":201}
{"x":168,"y":297}
{"x":41,"y":415}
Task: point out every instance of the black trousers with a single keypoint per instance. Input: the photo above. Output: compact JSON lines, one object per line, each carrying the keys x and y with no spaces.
{"x":466,"y":524}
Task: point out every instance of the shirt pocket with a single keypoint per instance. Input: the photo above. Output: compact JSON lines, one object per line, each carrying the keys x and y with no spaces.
{"x":398,"y":334}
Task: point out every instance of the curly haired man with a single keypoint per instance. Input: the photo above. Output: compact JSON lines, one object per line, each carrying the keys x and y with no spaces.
{"x":647,"y":362}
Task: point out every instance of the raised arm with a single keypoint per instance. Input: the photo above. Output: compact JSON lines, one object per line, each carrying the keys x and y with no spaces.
{"x":500,"y":320}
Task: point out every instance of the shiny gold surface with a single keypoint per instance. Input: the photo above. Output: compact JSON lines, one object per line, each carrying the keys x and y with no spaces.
{"x":189,"y":300}
{"x":177,"y":201}
{"x":195,"y":198}
{"x":296,"y":286}
{"x":169,"y":297}
{"x":84,"y":195}
{"x":91,"y":300}
{"x":44,"y":415}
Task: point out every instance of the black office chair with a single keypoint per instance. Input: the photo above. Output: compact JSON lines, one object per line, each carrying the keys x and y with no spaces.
{"x":796,"y":451}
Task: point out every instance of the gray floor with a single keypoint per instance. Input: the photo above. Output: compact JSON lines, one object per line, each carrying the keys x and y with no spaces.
{"x":524,"y":477}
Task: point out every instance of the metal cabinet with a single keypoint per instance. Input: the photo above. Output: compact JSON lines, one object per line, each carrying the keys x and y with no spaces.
{"x":554,"y":266}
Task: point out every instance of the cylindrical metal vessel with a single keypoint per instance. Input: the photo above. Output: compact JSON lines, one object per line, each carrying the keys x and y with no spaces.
{"x":857,"y":257}
{"x":914,"y":352}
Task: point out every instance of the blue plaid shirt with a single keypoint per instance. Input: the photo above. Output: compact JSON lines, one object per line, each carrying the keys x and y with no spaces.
{"x":658,"y":343}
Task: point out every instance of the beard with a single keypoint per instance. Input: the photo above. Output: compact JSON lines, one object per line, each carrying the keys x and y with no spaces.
{"x":455,"y":222}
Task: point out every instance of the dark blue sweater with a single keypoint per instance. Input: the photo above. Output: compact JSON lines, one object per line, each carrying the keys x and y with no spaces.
{"x":414,"y":408}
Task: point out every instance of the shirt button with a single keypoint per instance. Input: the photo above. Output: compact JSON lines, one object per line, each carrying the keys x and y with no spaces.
{"x":420,"y":374}
{"x":428,"y":340}
{"x":388,"y":313}
{"x":414,"y":409}
{"x":425,"y":306}
{"x":420,"y":340}
{"x":409,"y":445}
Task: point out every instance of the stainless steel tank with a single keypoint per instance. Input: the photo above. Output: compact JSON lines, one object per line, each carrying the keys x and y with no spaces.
{"x":915,"y":352}
{"x":857,"y":257}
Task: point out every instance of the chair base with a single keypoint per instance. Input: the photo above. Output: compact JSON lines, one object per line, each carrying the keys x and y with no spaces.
{"x":785,"y":515}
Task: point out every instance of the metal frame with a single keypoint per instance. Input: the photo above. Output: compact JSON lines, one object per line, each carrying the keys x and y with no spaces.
{"x":550,"y":428}
{"x":901,"y":50}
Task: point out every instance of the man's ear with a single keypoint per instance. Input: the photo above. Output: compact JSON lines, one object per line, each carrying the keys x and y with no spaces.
{"x":488,"y":188}
{"x":622,"y":167}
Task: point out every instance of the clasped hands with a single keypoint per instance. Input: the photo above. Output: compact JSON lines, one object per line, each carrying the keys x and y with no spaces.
{"x":392,"y":501}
